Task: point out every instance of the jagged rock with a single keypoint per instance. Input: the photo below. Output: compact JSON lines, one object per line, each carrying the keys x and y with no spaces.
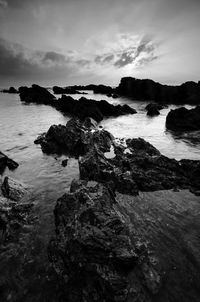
{"x":187,"y":93}
{"x":5,"y":161}
{"x":95,"y":253}
{"x":183,"y":119}
{"x":138,"y":166}
{"x":75,"y":138}
{"x":13,"y":189}
{"x":36,"y":94}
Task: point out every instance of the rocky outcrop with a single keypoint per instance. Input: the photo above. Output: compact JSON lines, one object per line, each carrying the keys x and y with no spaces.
{"x":137,"y":166}
{"x":97,"y":110}
{"x":102,"y":89}
{"x":81,"y":108}
{"x":36,"y":94}
{"x":13,"y":189}
{"x":5,"y":161}
{"x":183,"y":119}
{"x":76,"y":138}
{"x":187,"y":93}
{"x":11,"y":90}
{"x":95,"y":253}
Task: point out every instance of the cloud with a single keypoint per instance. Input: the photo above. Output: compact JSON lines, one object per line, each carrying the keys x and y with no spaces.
{"x":3,"y":3}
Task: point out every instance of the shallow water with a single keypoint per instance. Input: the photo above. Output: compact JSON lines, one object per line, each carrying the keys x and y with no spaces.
{"x":19,"y":126}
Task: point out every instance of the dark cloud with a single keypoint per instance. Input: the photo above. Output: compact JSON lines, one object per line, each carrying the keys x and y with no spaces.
{"x":125,"y":59}
{"x":104,"y":59}
{"x":54,"y":57}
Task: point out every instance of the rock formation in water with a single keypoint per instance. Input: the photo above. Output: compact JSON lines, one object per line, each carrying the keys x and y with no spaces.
{"x":154,"y":109}
{"x":5,"y":161}
{"x":65,"y":90}
{"x":187,"y":93}
{"x":11,"y":90}
{"x":81,"y":108}
{"x":182,"y":119}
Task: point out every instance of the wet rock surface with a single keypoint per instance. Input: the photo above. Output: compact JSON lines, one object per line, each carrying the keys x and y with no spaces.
{"x":183,"y":119}
{"x":75,"y":138}
{"x":96,"y":253}
{"x":5,"y":161}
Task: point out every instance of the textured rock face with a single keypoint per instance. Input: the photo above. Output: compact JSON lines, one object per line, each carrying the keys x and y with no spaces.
{"x":95,"y":252}
{"x":183,"y":119}
{"x":187,"y":93}
{"x":13,"y":189}
{"x":75,"y":138}
{"x":138,"y":166}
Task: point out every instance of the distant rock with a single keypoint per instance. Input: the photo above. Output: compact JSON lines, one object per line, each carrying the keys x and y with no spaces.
{"x":11,"y":90}
{"x":183,"y":119}
{"x":65,"y":162}
{"x":36,"y":94}
{"x":66,"y":90}
{"x":5,"y":161}
{"x":187,"y":93}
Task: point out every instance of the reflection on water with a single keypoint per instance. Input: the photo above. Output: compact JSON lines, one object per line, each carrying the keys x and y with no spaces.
{"x":21,"y":124}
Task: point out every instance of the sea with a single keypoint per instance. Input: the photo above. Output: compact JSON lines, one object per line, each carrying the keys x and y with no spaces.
{"x":25,"y":272}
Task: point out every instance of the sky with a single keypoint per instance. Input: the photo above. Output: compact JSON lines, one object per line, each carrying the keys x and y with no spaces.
{"x":65,"y":42}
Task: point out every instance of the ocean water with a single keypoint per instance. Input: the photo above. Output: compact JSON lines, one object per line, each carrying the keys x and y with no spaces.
{"x":20,"y":124}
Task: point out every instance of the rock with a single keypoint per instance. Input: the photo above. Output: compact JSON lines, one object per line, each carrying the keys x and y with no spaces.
{"x":5,"y":161}
{"x":96,"y":254}
{"x":183,"y":119}
{"x":66,"y":90}
{"x":11,"y":90}
{"x":65,"y":162}
{"x":115,"y":96}
{"x":75,"y":138}
{"x":36,"y":94}
{"x":138,"y":166}
{"x":13,"y":189}
{"x":153,"y":109}
{"x":187,"y":93}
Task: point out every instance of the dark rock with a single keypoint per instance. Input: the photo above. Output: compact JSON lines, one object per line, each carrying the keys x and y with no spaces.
{"x":187,"y":93}
{"x":138,"y":167}
{"x":13,"y":189}
{"x":74,"y":139}
{"x":5,"y":161}
{"x":36,"y":94}
{"x":11,"y":90}
{"x":65,"y":90}
{"x":183,"y":119}
{"x":153,"y":111}
{"x":65,"y":162}
{"x":95,"y":253}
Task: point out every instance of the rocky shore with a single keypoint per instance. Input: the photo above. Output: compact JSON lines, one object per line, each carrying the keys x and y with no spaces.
{"x":118,"y":232}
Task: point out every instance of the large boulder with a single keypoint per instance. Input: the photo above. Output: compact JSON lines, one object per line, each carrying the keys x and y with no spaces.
{"x":96,"y":253}
{"x":183,"y":119}
{"x":36,"y":94}
{"x":76,"y":138}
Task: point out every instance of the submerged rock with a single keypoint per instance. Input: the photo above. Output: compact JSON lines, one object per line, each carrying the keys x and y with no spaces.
{"x":154,"y":109}
{"x":182,"y":119}
{"x":96,"y":253}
